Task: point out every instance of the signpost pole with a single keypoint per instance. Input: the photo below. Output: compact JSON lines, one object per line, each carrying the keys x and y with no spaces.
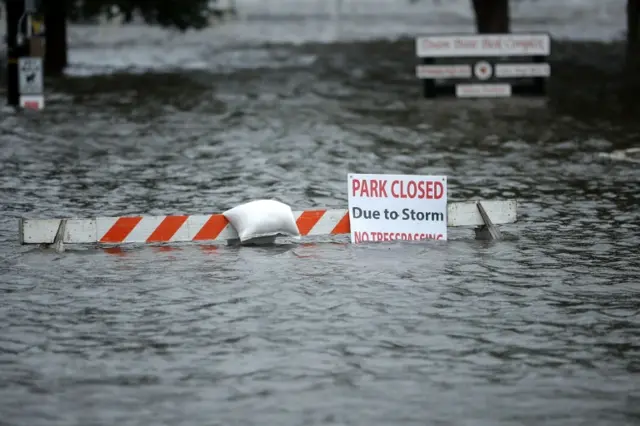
{"x":25,"y":56}
{"x":14,"y":12}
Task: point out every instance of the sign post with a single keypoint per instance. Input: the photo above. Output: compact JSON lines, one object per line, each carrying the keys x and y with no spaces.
{"x":387,"y":207}
{"x":480,"y":65}
{"x":30,"y":82}
{"x":25,"y":52}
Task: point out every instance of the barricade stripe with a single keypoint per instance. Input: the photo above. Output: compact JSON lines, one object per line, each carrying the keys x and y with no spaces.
{"x":212,"y":228}
{"x":121,"y":229}
{"x":308,"y":219}
{"x":144,"y":229}
{"x":190,"y":228}
{"x":344,"y":226}
{"x":326,"y":223}
{"x":167,"y":228}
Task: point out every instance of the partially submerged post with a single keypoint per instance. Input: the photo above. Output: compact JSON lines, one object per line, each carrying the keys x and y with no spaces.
{"x":24,"y":56}
{"x":14,"y":11}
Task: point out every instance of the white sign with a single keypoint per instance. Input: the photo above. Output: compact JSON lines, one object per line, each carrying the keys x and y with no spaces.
{"x":483,"y":90}
{"x":522,"y":70}
{"x":35,"y":102}
{"x":440,"y":46}
{"x":30,"y":75}
{"x":397,"y":207}
{"x":443,"y":71}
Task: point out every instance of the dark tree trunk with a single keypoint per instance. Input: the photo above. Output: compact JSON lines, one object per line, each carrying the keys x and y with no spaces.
{"x":633,"y":32}
{"x":492,"y":16}
{"x":55,"y":22}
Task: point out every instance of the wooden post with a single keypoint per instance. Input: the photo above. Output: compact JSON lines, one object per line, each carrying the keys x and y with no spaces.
{"x":25,"y":50}
{"x":15,"y":50}
{"x":492,"y":16}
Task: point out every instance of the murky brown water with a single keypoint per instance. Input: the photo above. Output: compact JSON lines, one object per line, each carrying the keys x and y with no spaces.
{"x":542,"y":328}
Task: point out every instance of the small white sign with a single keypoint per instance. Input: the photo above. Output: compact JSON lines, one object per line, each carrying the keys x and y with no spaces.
{"x":443,"y":71}
{"x":30,"y":75}
{"x":483,"y":90}
{"x":397,"y":207}
{"x":522,"y":70}
{"x":440,"y":46}
{"x":35,"y":102}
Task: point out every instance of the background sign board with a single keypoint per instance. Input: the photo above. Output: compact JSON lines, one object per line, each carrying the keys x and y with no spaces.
{"x":491,"y":60}
{"x":30,"y":75}
{"x":387,"y":207}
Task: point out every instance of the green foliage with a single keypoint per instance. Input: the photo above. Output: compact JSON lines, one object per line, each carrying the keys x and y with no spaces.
{"x":178,"y":14}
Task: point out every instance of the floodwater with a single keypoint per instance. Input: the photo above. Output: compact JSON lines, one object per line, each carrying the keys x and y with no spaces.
{"x":542,"y":328}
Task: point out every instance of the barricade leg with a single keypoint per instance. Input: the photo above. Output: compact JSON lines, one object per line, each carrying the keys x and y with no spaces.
{"x":58,"y":242}
{"x":488,"y":231}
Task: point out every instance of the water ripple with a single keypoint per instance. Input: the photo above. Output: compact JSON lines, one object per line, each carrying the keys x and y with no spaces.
{"x":541,"y":328}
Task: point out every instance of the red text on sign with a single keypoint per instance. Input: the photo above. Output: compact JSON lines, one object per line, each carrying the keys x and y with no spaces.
{"x":412,"y":189}
{"x":484,"y":43}
{"x":370,"y":188}
{"x":360,"y":237}
{"x":423,"y":189}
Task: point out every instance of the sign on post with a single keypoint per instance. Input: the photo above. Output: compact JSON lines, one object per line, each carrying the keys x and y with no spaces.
{"x":483,"y":65}
{"x":30,"y":82}
{"x":386,"y":207}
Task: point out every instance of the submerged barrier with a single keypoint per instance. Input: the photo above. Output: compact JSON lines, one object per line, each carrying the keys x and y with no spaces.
{"x":216,"y":227}
{"x":381,"y":208}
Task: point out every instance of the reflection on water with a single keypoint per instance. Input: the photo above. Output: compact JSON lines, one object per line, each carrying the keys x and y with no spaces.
{"x":541,"y":328}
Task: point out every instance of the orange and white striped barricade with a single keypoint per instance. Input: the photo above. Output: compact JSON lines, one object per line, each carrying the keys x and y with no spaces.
{"x":216,"y":228}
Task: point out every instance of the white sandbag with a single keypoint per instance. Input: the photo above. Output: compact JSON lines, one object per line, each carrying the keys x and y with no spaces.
{"x":262,"y":218}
